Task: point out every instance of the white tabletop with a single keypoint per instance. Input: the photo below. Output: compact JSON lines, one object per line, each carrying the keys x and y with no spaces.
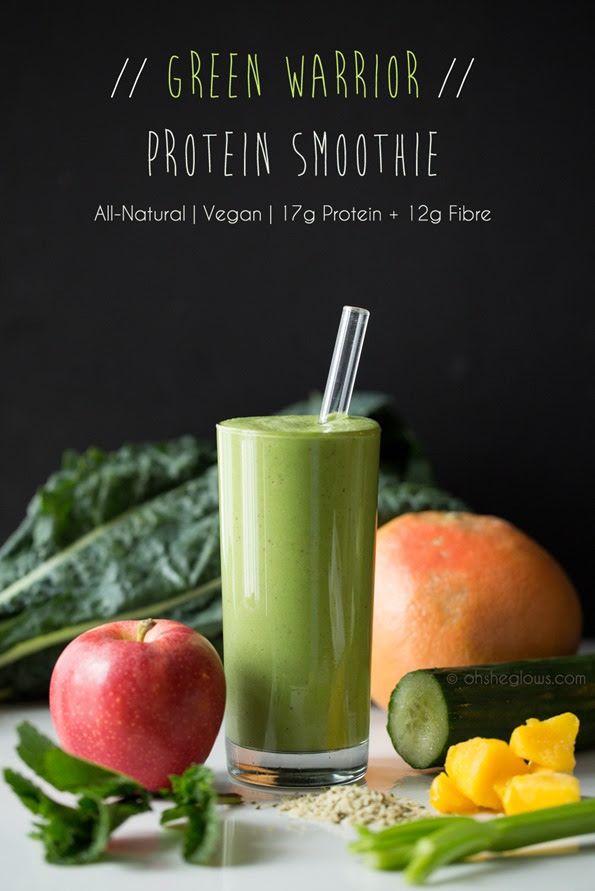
{"x":262,"y":848}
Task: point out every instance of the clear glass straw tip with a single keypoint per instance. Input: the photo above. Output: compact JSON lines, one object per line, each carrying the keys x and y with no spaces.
{"x":346,"y":356}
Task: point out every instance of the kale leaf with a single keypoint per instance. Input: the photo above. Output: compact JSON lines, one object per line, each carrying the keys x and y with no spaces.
{"x":396,"y":497}
{"x":162,"y":558}
{"x":91,"y":489}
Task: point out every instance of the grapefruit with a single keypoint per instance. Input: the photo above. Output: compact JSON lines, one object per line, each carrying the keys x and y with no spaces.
{"x":455,"y":588}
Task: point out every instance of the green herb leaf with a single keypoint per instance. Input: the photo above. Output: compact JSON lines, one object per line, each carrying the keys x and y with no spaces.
{"x":195,"y":801}
{"x":105,"y":799}
{"x":72,"y":835}
{"x":69,"y":773}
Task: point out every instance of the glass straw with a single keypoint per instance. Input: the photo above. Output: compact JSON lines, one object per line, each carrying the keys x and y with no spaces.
{"x":341,"y":375}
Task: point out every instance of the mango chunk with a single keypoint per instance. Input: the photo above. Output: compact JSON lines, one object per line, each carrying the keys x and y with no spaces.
{"x":532,"y":791}
{"x":446,"y":798}
{"x":547,"y":743}
{"x":477,"y":765}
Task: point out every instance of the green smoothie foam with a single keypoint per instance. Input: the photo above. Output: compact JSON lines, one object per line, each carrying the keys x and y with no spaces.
{"x":298,"y":506}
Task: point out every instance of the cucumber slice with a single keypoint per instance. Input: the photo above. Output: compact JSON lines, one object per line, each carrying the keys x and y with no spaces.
{"x":418,"y":719}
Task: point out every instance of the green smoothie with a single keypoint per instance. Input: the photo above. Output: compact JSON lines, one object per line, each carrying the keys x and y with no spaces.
{"x":298,"y":515}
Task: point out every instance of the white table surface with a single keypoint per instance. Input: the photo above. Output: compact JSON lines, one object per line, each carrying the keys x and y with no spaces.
{"x":261,"y":848}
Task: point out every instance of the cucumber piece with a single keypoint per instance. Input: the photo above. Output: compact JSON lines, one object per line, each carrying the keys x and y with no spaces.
{"x":433,"y":708}
{"x":418,"y":718}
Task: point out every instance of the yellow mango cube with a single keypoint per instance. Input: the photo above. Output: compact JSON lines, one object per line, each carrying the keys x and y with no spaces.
{"x":446,"y":798}
{"x":547,"y":743}
{"x":543,"y":788}
{"x":477,"y":765}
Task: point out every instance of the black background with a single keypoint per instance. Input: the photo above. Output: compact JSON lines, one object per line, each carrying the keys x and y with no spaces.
{"x":483,"y":333}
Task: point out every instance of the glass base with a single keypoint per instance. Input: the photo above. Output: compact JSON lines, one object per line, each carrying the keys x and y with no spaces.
{"x":295,"y":769}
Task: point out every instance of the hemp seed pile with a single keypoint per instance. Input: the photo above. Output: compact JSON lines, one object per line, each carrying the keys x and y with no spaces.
{"x":352,"y":804}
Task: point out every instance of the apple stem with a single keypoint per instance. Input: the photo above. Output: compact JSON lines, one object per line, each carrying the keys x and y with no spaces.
{"x":142,"y":627}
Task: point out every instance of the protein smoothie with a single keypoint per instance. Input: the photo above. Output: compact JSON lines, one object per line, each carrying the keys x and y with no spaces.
{"x":298,"y":514}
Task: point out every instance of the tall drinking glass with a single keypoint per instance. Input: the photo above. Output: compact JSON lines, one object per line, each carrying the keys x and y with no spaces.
{"x":298,"y":517}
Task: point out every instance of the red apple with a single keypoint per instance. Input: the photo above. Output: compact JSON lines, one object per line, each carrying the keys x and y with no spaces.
{"x":144,"y":698}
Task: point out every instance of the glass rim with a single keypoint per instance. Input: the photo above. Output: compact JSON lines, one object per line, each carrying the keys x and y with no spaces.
{"x":232,"y":425}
